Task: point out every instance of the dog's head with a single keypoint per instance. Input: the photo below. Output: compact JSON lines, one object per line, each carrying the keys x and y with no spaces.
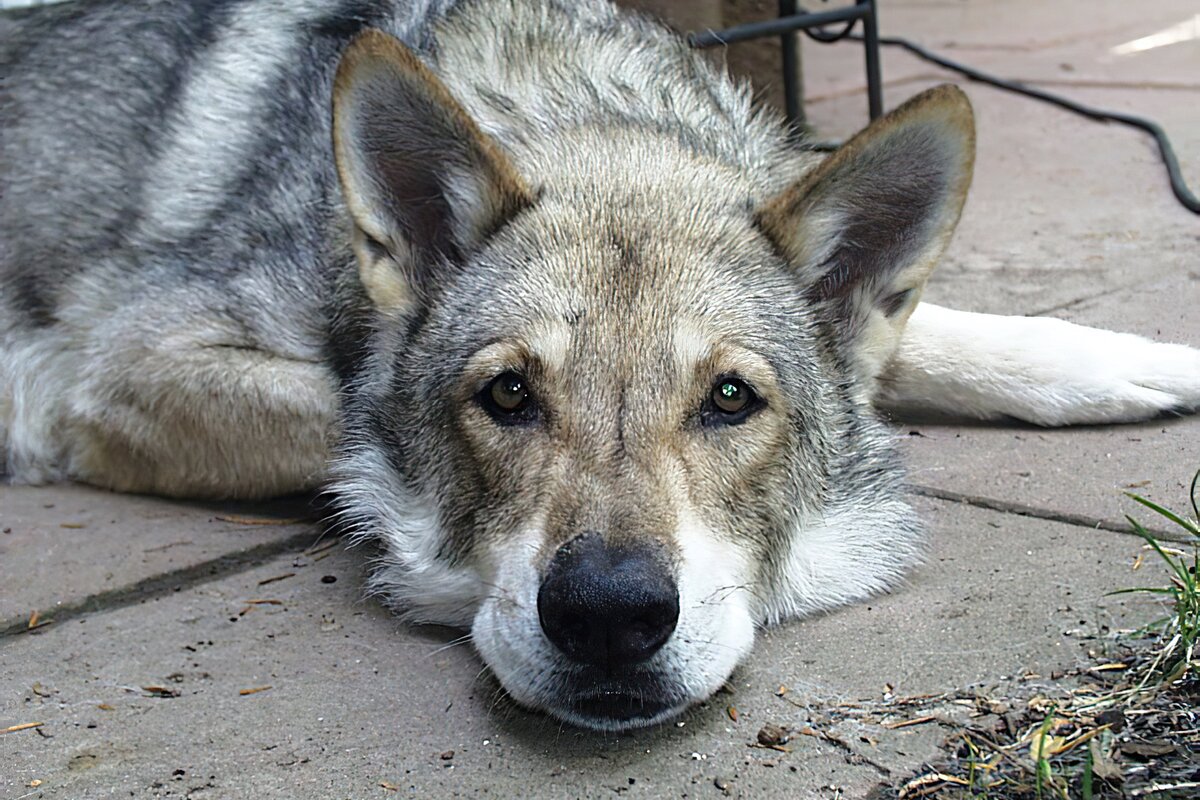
{"x":613,"y":410}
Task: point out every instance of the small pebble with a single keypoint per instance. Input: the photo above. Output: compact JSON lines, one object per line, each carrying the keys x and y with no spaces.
{"x":773,"y":735}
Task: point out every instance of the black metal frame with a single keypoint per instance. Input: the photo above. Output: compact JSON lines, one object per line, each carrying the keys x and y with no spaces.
{"x":792,"y":18}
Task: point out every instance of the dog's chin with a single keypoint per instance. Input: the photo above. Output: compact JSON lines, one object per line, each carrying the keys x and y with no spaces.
{"x":589,"y":697}
{"x":542,"y":680}
{"x":616,"y":704}
{"x":617,"y":712}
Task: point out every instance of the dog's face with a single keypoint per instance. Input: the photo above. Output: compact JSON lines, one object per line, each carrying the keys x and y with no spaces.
{"x":614,"y":423}
{"x":624,"y":437}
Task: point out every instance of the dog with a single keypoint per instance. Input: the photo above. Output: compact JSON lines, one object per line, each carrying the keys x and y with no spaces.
{"x":591,"y":347}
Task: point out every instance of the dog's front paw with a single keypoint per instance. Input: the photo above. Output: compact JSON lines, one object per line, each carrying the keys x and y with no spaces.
{"x":1145,"y":379}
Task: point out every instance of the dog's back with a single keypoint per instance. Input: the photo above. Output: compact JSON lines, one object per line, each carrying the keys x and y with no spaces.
{"x":167,"y":192}
{"x":166,"y":138}
{"x":82,"y":115}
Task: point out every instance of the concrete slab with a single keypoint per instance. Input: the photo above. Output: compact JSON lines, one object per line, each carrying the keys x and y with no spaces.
{"x":60,"y":545}
{"x":1023,"y":39}
{"x":1064,"y":208}
{"x":1027,"y":24}
{"x":1110,"y":60}
{"x":999,"y":596}
{"x":359,"y":705}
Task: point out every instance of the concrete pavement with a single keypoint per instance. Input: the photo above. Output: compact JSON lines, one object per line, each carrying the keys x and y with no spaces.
{"x":196,"y":651}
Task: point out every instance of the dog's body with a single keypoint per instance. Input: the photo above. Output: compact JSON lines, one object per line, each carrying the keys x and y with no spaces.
{"x":574,"y":310}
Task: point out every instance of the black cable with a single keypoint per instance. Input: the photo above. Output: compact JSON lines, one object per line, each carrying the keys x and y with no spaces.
{"x":1178,"y":185}
{"x":824,"y":37}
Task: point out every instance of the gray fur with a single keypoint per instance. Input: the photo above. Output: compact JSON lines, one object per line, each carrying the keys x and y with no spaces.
{"x":182,"y":313}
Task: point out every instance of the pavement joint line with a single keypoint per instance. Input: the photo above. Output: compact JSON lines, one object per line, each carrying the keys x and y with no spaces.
{"x":1100,"y":83}
{"x":1065,"y":305}
{"x":1058,"y":83}
{"x":163,"y":584}
{"x":1024,"y":510}
{"x":1069,"y":304}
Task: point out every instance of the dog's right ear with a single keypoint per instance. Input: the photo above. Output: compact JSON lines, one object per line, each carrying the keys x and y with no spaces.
{"x":422,"y":182}
{"x":864,"y":229}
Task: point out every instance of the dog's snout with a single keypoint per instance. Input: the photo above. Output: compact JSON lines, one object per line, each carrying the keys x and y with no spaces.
{"x":607,"y":606}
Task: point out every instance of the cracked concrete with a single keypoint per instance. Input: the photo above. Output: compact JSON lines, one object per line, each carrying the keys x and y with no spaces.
{"x":111,"y":550}
{"x":355,"y":699}
{"x":1066,"y":217}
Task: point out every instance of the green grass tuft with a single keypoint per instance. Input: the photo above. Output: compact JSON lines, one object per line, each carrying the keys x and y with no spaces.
{"x":1179,"y":631}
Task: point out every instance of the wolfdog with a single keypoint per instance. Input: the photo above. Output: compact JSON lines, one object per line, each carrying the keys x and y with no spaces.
{"x":587,"y":344}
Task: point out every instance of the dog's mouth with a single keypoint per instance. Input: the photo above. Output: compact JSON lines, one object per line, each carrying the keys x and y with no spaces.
{"x":620,"y":704}
{"x":621,"y":708}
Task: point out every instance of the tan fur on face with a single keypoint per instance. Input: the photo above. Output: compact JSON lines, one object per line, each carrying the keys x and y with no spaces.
{"x":621,"y":346}
{"x":620,"y":370}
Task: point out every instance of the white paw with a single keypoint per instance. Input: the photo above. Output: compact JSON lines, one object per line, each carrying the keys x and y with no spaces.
{"x":1096,"y":377}
{"x":1037,"y":369}
{"x":1082,"y":375}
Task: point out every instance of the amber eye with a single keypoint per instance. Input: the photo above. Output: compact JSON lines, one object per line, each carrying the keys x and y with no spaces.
{"x":731,"y":396}
{"x":508,"y":399}
{"x":730,"y":402}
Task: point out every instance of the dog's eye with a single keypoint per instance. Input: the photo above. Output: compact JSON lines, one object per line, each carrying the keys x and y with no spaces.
{"x":730,"y":402}
{"x":731,"y":395}
{"x":508,"y":399}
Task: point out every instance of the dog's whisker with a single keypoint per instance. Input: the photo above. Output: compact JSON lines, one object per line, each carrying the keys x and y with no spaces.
{"x":459,"y":642}
{"x":502,"y":592}
{"x":709,"y":642}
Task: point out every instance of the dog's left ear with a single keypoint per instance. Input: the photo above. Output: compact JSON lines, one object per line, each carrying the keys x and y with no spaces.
{"x":866,"y":227}
{"x":422,"y":182}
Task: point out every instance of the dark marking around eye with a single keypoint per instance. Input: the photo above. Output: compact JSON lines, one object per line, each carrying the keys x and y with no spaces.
{"x":730,"y":401}
{"x":508,"y":400}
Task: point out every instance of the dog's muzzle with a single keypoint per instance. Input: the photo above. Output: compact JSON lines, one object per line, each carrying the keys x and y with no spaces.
{"x":609,"y":609}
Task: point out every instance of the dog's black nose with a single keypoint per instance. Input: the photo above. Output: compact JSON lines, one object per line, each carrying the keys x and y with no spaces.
{"x":607,"y":606}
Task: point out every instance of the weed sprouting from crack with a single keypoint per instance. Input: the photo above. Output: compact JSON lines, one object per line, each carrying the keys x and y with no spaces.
{"x":1131,"y":729}
{"x":1180,"y":629}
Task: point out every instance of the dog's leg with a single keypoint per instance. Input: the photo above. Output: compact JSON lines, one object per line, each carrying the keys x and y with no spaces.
{"x":1038,"y":369}
{"x":168,"y":418}
{"x":211,"y":422}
